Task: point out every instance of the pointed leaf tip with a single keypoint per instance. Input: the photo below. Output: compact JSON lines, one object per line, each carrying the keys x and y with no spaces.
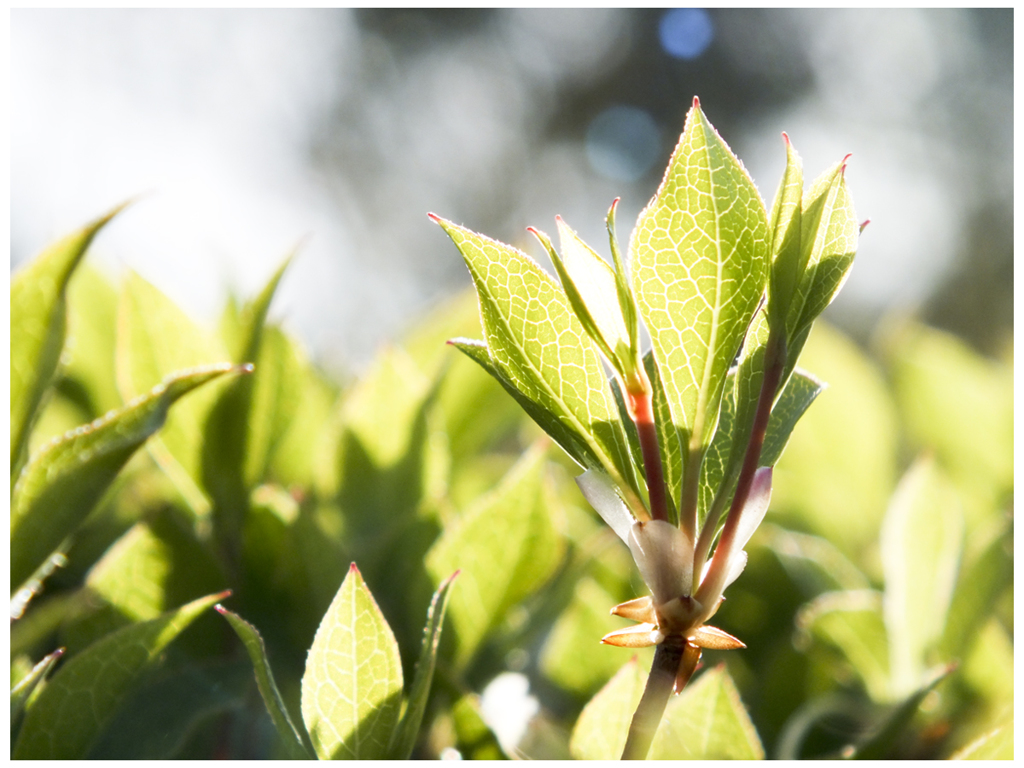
{"x":696,"y":102}
{"x":434,"y":218}
{"x":866,"y":222}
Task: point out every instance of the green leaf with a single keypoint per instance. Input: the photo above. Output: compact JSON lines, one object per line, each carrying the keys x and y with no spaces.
{"x":880,"y":744}
{"x":229,"y":427}
{"x":922,"y":537}
{"x":92,"y":326}
{"x":541,"y":349}
{"x":87,"y":691}
{"x":707,"y":721}
{"x":155,"y":338}
{"x":291,"y":737}
{"x":997,"y":744}
{"x":981,"y":582}
{"x":787,"y":263}
{"x":699,"y":253}
{"x":814,"y":563}
{"x":670,"y":441}
{"x":403,"y":738}
{"x":960,"y":405}
{"x":600,"y":732}
{"x":852,"y":623}
{"x":182,"y":699}
{"x":39,"y":312}
{"x":505,"y":547}
{"x":29,"y":684}
{"x":570,"y":440}
{"x":154,"y":566}
{"x":60,"y":486}
{"x":592,"y":290}
{"x":352,"y":687}
{"x":853,"y":425}
{"x":829,"y":232}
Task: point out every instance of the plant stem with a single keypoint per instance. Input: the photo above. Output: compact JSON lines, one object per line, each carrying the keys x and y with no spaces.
{"x":652,"y":704}
{"x":643,"y":415}
{"x":775,"y":363}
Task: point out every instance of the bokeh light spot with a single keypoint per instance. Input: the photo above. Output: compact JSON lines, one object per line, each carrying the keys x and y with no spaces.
{"x":686,"y":32}
{"x":623,"y":143}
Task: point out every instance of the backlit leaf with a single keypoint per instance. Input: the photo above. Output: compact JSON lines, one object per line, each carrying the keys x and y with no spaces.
{"x":699,"y":253}
{"x":707,"y":721}
{"x":541,"y":349}
{"x":38,"y":322}
{"x":352,"y":687}
{"x":922,"y":537}
{"x":61,"y":484}
{"x":600,"y":732}
{"x":505,"y":548}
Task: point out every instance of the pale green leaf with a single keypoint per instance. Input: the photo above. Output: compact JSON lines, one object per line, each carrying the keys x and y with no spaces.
{"x":290,"y":736}
{"x":155,"y":565}
{"x":92,"y":324}
{"x":541,"y":349}
{"x":982,"y":579}
{"x":600,"y":732}
{"x":960,"y":405}
{"x":707,"y":721}
{"x":787,"y":263}
{"x":592,"y":290}
{"x":154,"y":338}
{"x":403,"y":738}
{"x":853,"y":426}
{"x":997,"y":744}
{"x":922,"y":538}
{"x":852,"y":623}
{"x":699,"y":255}
{"x":670,"y":441}
{"x":87,"y":691}
{"x":571,"y":441}
{"x":352,"y":687}
{"x":829,"y":235}
{"x":61,"y":484}
{"x":38,"y":319}
{"x":505,"y":548}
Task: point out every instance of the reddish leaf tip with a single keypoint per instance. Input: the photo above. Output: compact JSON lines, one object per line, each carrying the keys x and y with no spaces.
{"x":558,"y":218}
{"x":246,"y":368}
{"x":845,"y":161}
{"x":353,"y":569}
{"x":866,"y":222}
{"x":696,"y":102}
{"x":433,"y":217}
{"x":224,"y":595}
{"x":785,"y":138}
{"x":220,"y":609}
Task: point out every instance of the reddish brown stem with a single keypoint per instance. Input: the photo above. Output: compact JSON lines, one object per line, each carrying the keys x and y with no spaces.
{"x":775,"y":363}
{"x":643,"y":415}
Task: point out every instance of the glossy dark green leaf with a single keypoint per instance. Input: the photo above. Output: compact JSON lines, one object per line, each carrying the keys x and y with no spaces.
{"x":60,"y":485}
{"x":38,"y":319}
{"x":291,"y":736}
{"x":86,"y":692}
{"x":403,"y":738}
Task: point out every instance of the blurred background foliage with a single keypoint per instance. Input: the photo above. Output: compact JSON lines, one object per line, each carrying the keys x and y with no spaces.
{"x":253,"y":128}
{"x":385,"y":447}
